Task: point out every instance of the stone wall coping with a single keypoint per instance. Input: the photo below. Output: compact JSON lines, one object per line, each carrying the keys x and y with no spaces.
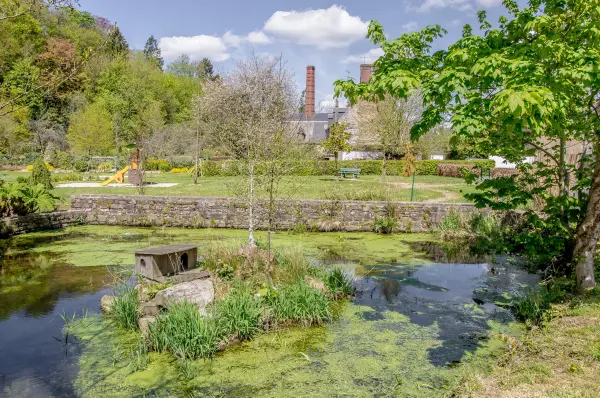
{"x":224,"y":198}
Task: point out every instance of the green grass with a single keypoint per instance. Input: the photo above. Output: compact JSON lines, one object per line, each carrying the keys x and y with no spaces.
{"x":338,"y":283}
{"x":185,"y":333}
{"x":239,"y":314}
{"x":314,"y":187}
{"x":300,"y":304}
{"x":125,"y":310}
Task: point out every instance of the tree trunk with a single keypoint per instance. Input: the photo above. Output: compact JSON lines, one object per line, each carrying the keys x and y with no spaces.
{"x":251,"y":240}
{"x":335,"y":156}
{"x":197,"y":156}
{"x":588,"y":233}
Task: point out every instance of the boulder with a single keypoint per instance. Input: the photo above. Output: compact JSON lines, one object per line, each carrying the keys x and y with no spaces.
{"x":144,"y":324}
{"x":200,"y":292}
{"x":106,"y":303}
{"x":142,"y":292}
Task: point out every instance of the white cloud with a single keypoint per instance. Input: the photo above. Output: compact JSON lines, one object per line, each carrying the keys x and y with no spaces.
{"x":410,"y":26}
{"x":231,"y":40}
{"x":368,"y":58}
{"x":323,"y":28}
{"x":489,"y":3}
{"x":197,"y":47}
{"x":258,"y":37}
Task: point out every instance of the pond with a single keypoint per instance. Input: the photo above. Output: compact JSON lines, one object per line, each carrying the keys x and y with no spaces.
{"x":421,"y":312}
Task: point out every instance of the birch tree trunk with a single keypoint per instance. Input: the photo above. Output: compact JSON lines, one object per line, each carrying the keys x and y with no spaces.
{"x":588,"y":233}
{"x":251,"y":240}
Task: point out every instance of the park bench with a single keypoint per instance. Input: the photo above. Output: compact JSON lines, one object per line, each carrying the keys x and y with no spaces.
{"x":348,"y":172}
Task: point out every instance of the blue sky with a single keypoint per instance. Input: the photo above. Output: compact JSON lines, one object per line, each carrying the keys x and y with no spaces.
{"x":325,"y":34}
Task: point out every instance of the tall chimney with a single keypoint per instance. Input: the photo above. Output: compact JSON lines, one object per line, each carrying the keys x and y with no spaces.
{"x":365,"y":73}
{"x":309,"y":105}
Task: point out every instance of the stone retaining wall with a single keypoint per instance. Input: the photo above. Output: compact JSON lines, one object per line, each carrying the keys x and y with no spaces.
{"x":202,"y":212}
{"x":10,"y":226}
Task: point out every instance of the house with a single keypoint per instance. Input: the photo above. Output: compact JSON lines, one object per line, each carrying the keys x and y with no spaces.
{"x":314,"y":126}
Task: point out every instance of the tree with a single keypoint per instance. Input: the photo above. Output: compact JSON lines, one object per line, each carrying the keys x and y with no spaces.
{"x":152,"y":52}
{"x":387,"y":123}
{"x":526,"y":88}
{"x":206,"y":70}
{"x":15,"y":9}
{"x":116,"y":45}
{"x":251,"y":108}
{"x":337,"y":141}
{"x":91,"y":131}
{"x":40,"y":175}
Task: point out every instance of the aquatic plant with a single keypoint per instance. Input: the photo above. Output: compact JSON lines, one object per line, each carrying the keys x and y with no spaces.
{"x":183,"y":331}
{"x":125,"y":310}
{"x":293,"y":265}
{"x":299,"y":303}
{"x":385,"y":225}
{"x":239,"y":314}
{"x":533,"y":307}
{"x":338,"y":283}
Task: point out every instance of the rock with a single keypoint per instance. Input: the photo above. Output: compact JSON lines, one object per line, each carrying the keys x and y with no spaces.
{"x":150,"y":308}
{"x":142,"y":292}
{"x":144,"y":324}
{"x":200,"y":292}
{"x":316,"y":284}
{"x":106,"y":303}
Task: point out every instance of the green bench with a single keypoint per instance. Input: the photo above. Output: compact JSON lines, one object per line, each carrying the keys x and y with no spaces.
{"x":348,"y":172}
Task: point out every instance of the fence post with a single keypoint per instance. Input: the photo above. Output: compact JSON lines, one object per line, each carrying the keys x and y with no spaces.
{"x":412,"y":191}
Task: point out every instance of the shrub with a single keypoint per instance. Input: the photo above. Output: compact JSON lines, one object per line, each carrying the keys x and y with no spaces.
{"x":184,"y":332}
{"x":299,"y":303}
{"x":67,"y":177}
{"x":105,"y":167}
{"x":338,"y":283}
{"x":125,"y":310}
{"x":180,"y":170}
{"x":40,"y":175}
{"x":158,"y":165}
{"x":239,"y":314}
{"x":455,"y":170}
{"x":81,"y":165}
{"x":385,"y":225}
{"x":501,"y":172}
{"x":63,"y":160}
{"x":533,"y":306}
{"x":21,"y":199}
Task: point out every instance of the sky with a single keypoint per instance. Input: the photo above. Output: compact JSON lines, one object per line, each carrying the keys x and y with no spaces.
{"x":327,"y":35}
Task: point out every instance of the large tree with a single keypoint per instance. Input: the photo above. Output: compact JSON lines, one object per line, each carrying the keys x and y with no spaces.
{"x":527,"y":87}
{"x":152,"y":52}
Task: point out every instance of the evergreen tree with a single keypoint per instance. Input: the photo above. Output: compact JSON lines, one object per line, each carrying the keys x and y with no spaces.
{"x":40,"y":175}
{"x":206,"y":70}
{"x":152,"y":52}
{"x":117,"y":45}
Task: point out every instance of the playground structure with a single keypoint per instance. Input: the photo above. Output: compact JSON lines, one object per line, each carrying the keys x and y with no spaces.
{"x":134,"y":171}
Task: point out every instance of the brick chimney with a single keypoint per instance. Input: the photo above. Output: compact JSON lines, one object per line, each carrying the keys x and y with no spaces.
{"x":309,"y":105}
{"x":365,"y":72}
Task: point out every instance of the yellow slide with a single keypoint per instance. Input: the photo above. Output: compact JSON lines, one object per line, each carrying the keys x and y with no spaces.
{"x":119,"y":177}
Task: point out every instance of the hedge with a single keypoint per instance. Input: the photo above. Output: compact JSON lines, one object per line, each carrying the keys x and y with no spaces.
{"x":228,"y":168}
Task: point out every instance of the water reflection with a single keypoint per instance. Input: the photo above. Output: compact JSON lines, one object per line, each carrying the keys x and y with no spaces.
{"x":459,"y":298}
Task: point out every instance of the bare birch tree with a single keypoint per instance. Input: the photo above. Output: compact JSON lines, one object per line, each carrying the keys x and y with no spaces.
{"x":251,"y":109}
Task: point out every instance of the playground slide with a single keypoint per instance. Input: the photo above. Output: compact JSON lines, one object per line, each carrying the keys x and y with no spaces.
{"x":119,"y":177}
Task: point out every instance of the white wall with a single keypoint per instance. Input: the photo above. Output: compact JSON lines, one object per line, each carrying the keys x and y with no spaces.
{"x":436,"y":157}
{"x":502,"y":163}
{"x":361,"y":155}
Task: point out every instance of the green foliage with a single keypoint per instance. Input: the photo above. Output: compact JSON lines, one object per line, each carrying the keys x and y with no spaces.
{"x":338,"y":139}
{"x":184,"y":332}
{"x":91,"y":131}
{"x":384,"y":225}
{"x":158,"y":165}
{"x":239,"y":314}
{"x":527,"y":87}
{"x":298,"y":303}
{"x":533,"y":307}
{"x":125,"y":309}
{"x":40,"y":175}
{"x":338,"y":283}
{"x":22,"y":198}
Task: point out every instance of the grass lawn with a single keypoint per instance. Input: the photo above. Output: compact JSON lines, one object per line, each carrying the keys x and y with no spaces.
{"x":562,"y":359}
{"x":427,"y":188}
